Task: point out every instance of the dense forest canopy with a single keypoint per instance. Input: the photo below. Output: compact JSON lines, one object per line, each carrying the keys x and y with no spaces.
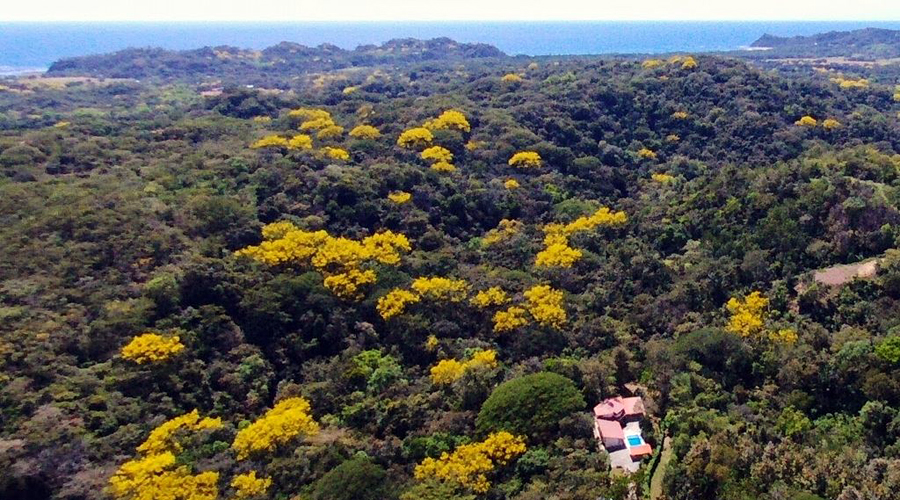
{"x":410,"y":271}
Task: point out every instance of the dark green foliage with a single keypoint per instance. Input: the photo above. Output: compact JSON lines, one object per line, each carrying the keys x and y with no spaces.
{"x":356,"y":479}
{"x":22,"y":155}
{"x":532,"y":405}
{"x":723,"y":355}
{"x":436,"y":490}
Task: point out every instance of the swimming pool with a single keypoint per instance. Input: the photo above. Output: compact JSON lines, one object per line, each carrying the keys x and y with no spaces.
{"x":635,"y":440}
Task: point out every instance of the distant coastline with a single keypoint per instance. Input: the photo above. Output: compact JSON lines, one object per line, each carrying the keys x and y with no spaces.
{"x":26,"y":47}
{"x":20,"y":71}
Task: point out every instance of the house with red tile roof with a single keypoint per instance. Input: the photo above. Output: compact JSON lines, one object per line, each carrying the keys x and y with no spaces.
{"x":617,"y":427}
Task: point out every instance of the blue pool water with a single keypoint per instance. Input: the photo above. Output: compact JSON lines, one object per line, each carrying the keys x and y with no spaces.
{"x":635,"y":441}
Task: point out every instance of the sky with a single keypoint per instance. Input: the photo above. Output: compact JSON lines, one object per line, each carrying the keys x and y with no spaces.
{"x":452,"y":10}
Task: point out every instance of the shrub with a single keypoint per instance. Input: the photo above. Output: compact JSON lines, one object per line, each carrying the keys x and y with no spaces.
{"x":356,"y":479}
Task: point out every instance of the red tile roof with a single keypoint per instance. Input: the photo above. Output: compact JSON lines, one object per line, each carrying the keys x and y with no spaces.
{"x":610,"y":429}
{"x":618,"y":407}
{"x":640,"y":451}
{"x":633,"y":406}
{"x":610,"y":409}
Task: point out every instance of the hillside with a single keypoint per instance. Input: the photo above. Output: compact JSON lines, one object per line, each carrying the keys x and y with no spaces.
{"x":411,"y":271}
{"x":863,"y":44}
{"x":281,"y":60}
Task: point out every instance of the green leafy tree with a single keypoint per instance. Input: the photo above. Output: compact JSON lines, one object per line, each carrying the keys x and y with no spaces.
{"x":356,"y":479}
{"x":889,"y":349}
{"x":531,"y":405}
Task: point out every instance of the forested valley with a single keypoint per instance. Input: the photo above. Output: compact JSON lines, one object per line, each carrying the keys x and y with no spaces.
{"x":410,"y":272}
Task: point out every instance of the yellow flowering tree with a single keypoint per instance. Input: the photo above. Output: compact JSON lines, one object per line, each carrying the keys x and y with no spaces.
{"x":850,"y":83}
{"x":300,"y":142}
{"x":783,"y":336}
{"x":525,"y":159}
{"x":415,"y":138}
{"x":155,"y":474}
{"x":330,"y":132}
{"x":313,"y":119}
{"x":365,"y":132}
{"x":557,"y":252}
{"x":546,"y":305}
{"x":482,"y":359}
{"x":335,"y":153}
{"x":511,"y":184}
{"x":317,"y":124}
{"x":511,"y":78}
{"x":603,"y":216}
{"x":505,"y":230}
{"x":399,"y":197}
{"x":385,"y":247}
{"x":288,"y":420}
{"x":450,"y":120}
{"x":441,"y":289}
{"x":806,"y":121}
{"x":493,"y":296}
{"x":443,"y":166}
{"x":156,"y":477}
{"x":440,"y":157}
{"x":662,"y":178}
{"x":348,"y":284}
{"x":831,"y":124}
{"x":309,"y":114}
{"x":340,"y":260}
{"x":689,"y":63}
{"x":270,"y":141}
{"x":469,"y":464}
{"x":512,"y":318}
{"x":448,"y":371}
{"x":557,"y":255}
{"x":646,"y":153}
{"x":748,"y":316}
{"x":394,"y":303}
{"x":248,"y":485}
{"x":151,"y":348}
{"x":165,"y":437}
{"x":436,"y":154}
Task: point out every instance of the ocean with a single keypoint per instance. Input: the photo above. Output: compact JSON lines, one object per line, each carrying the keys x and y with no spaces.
{"x":34,"y":46}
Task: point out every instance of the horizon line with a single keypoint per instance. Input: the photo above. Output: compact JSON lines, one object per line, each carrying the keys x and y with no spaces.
{"x":440,"y":21}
